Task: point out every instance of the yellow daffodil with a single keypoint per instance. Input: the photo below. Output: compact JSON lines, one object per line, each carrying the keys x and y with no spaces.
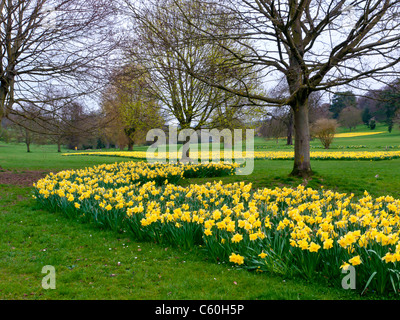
{"x":328,"y":243}
{"x":262,"y":255}
{"x":355,"y":261}
{"x":314,"y":247}
{"x":237,"y":238}
{"x":236,"y":258}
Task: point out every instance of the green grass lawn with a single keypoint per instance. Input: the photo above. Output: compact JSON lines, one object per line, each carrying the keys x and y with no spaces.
{"x":92,"y":263}
{"x":377,"y":142}
{"x":44,"y":158}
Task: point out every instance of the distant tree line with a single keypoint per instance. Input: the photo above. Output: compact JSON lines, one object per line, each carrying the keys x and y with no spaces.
{"x":73,"y":128}
{"x":379,"y":105}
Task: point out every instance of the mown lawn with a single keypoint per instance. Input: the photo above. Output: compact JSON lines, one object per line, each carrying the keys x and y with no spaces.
{"x":92,"y":263}
{"x":376,"y":142}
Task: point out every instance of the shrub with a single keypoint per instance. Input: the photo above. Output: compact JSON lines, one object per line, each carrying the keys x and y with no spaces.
{"x":324,"y":130}
{"x":372,"y":124}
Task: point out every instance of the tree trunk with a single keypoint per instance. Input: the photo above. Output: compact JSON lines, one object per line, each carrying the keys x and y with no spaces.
{"x":289,"y":140}
{"x":130,"y":145}
{"x":58,"y":147}
{"x":302,"y":165}
{"x":28,"y":140}
{"x":186,"y":151}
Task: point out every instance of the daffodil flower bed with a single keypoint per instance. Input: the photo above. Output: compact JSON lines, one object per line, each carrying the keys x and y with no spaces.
{"x":341,"y":147}
{"x":257,"y":155}
{"x":297,"y":231}
{"x":356,"y":134}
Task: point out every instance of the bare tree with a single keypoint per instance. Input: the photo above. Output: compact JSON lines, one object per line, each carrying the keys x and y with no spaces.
{"x":50,"y":44}
{"x":316,"y":45}
{"x":350,"y":117}
{"x":319,"y":110}
{"x":273,"y":128}
{"x":61,"y":118}
{"x":190,"y":101}
{"x":25,"y":126}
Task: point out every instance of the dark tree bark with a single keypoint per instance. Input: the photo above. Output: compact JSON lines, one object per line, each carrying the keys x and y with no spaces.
{"x":302,"y":163}
{"x":290,"y":129}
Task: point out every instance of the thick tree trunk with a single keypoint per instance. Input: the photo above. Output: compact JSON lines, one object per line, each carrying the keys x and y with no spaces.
{"x":302,"y":165}
{"x":185,"y":158}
